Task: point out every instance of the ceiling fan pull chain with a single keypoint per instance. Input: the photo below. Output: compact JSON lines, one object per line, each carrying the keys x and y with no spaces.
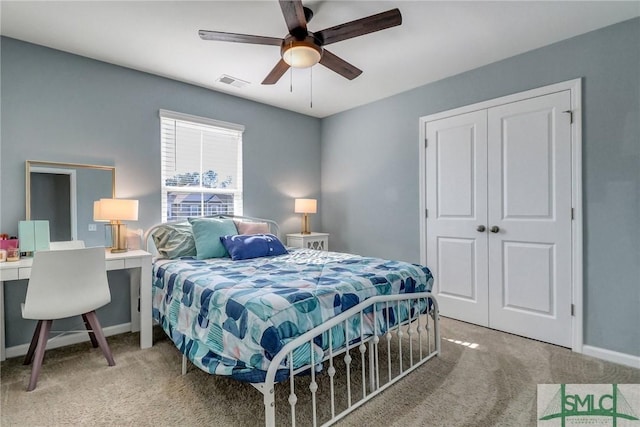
{"x":291,"y":70}
{"x":310,"y":87}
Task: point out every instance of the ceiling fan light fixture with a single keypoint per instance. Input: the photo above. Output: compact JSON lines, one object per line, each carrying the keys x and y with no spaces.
{"x":301,"y":55}
{"x":302,"y":48}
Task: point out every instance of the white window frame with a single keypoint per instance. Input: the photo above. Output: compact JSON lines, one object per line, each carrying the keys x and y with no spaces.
{"x":223,"y":126}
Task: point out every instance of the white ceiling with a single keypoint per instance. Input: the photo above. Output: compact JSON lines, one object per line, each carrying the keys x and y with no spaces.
{"x":437,"y":39}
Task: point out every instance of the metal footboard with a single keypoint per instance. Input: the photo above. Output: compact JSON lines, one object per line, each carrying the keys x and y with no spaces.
{"x":403,"y":345}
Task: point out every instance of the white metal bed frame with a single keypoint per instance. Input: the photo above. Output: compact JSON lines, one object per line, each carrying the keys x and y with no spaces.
{"x":422,"y":338}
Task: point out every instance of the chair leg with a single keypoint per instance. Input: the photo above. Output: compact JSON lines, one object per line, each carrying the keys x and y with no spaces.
{"x":39,"y":355}
{"x":92,"y":337}
{"x":102,"y":341}
{"x":32,"y":347}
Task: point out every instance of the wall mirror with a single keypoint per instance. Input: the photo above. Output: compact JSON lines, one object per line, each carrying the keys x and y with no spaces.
{"x":63,"y":194}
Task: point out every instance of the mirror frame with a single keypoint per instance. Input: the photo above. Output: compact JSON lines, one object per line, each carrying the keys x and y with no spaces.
{"x":29,"y":164}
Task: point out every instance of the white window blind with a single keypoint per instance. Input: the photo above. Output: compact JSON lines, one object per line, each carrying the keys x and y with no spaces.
{"x":201,"y":166}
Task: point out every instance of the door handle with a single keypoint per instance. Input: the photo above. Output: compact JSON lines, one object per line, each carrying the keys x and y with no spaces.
{"x":481,"y":228}
{"x":494,"y":229}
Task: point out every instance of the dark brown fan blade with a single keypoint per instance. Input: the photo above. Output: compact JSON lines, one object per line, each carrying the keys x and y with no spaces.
{"x":238,"y":38}
{"x":359,"y":27}
{"x":294,"y":17}
{"x":339,"y":65}
{"x":277,"y":72}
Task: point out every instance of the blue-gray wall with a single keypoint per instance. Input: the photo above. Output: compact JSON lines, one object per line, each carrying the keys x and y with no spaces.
{"x":66,"y":108}
{"x":61,"y":107}
{"x":370,"y":167}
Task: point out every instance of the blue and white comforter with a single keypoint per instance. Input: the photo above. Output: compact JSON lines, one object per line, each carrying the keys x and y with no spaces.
{"x":232,"y":317}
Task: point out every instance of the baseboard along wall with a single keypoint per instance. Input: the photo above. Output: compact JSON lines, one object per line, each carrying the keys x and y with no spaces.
{"x":68,"y":339}
{"x":612,"y":356}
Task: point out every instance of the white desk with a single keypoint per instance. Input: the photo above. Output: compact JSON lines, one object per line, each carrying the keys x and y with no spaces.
{"x":138,"y":261}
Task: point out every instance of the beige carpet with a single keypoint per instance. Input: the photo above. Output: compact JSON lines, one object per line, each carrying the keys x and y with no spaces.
{"x":493,"y":384}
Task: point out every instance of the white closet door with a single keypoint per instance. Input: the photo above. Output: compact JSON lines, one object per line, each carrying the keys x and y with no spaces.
{"x":529,"y":178}
{"x":456,"y":185}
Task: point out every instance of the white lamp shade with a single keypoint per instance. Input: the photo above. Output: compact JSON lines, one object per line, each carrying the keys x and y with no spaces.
{"x":306,"y":206}
{"x":97,"y":212}
{"x":115,"y":210}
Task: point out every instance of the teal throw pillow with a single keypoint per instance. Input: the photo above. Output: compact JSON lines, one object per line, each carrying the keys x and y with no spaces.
{"x":207,"y":233}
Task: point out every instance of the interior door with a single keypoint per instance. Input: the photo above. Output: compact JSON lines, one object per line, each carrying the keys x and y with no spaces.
{"x":456,"y":174}
{"x":499,"y":216}
{"x":529,"y":177}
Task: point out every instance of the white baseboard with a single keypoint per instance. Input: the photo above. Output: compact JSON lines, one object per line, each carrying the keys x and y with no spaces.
{"x":612,"y":356}
{"x":74,"y":338}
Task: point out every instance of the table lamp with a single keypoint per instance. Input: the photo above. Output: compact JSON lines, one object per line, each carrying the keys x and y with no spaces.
{"x":305,"y":207}
{"x":115,"y":211}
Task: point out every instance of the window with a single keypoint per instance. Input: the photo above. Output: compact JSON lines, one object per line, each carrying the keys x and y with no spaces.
{"x":201,"y":166}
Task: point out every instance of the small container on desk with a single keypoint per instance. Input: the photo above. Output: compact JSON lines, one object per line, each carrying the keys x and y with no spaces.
{"x":9,"y":250}
{"x":13,"y":254}
{"x":9,"y":243}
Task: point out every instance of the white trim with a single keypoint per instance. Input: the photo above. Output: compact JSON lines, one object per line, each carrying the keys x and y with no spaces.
{"x":541,"y":91}
{"x":422,"y":188}
{"x":166,"y":114}
{"x":73,"y":193}
{"x":575,"y":88}
{"x":75,"y":338}
{"x":612,"y":356}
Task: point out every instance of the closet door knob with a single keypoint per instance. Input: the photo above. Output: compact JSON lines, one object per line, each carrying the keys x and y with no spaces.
{"x":495,"y":229}
{"x":481,"y":228}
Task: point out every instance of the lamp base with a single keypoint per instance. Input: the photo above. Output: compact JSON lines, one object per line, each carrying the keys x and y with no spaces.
{"x":305,"y":224}
{"x":118,"y":238}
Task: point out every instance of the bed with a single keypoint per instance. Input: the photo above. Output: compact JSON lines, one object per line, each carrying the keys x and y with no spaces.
{"x":267,"y":319}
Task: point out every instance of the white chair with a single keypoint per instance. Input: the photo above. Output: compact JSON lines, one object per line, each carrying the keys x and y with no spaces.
{"x":68,"y":244}
{"x":65,"y":283}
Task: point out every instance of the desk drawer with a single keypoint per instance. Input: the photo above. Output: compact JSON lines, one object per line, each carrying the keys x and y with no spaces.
{"x":115,"y":264}
{"x":11,"y":274}
{"x":24,"y":273}
{"x":133,"y":263}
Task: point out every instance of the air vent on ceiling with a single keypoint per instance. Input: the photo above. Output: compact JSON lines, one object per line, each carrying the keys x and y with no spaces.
{"x":232,"y":81}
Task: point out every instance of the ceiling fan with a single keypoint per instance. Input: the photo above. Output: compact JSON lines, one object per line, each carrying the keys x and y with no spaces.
{"x":302,"y":48}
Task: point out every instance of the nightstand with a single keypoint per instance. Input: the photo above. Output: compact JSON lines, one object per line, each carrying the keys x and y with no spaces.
{"x":319,"y":241}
